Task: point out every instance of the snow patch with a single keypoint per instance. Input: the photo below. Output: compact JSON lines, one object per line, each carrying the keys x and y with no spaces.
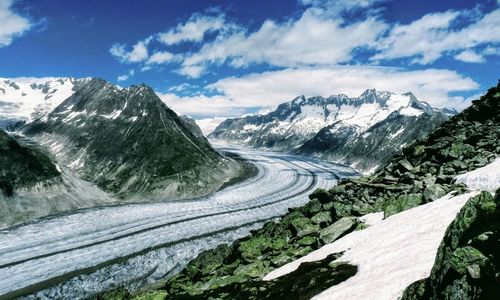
{"x":397,"y":251}
{"x":373,"y":218}
{"x":392,"y":253}
{"x":410,"y":112}
{"x":395,"y":134}
{"x":486,"y":178}
{"x":32,"y":98}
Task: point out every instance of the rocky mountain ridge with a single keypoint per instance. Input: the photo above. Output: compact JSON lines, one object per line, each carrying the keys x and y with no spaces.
{"x":128,"y":142}
{"x":363,"y":132}
{"x":26,"y":99}
{"x":423,"y":173}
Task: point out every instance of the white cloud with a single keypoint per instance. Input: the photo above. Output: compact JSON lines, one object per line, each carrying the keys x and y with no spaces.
{"x":138,"y":53}
{"x":193,"y":71}
{"x":323,"y":34}
{"x":313,"y":39}
{"x":337,"y":7}
{"x":432,"y":36}
{"x":12,"y":24}
{"x":208,"y":125}
{"x":160,"y":57}
{"x":418,"y":38}
{"x":183,"y":87}
{"x":126,"y":76}
{"x":491,"y":50}
{"x":193,"y":30}
{"x":241,"y":95}
{"x":122,"y":77}
{"x":470,"y":57}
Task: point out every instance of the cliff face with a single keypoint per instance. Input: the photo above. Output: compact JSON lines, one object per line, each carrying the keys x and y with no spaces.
{"x":23,"y":167}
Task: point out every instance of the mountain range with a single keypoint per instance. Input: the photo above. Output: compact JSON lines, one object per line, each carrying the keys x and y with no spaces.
{"x":364,"y":132}
{"x":377,"y":231}
{"x":107,"y":145}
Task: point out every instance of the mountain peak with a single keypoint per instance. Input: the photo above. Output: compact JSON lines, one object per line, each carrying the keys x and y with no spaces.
{"x":374,"y":96}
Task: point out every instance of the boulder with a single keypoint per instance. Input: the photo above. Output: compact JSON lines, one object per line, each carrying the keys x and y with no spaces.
{"x":208,"y":261}
{"x":337,"y":229}
{"x":402,"y":203}
{"x":256,"y":269}
{"x":281,"y":259}
{"x":252,"y":248}
{"x":468,"y":260}
{"x":322,"y":195}
{"x":322,"y":217}
{"x":404,"y":165}
{"x":303,"y":226}
{"x":433,"y":192}
{"x":311,"y":208}
{"x":339,"y":189}
{"x":307,"y":241}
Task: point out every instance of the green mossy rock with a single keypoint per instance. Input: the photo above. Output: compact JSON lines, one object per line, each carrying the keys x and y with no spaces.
{"x":323,"y":217}
{"x":468,"y":259}
{"x":321,"y":195}
{"x":402,"y":203}
{"x":433,"y":192}
{"x":337,"y":229}
{"x":152,"y":295}
{"x":207,"y":261}
{"x":303,"y":226}
{"x":311,"y":208}
{"x":252,"y":248}
{"x":256,"y":269}
{"x":307,"y":241}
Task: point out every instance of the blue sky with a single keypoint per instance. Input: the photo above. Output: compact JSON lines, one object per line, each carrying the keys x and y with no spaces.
{"x":217,"y":59}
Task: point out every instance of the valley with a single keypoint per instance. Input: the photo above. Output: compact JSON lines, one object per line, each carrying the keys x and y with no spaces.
{"x":83,"y":253}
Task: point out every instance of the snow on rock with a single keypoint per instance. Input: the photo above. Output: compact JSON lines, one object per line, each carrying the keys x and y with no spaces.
{"x":410,"y":112}
{"x":373,"y":218}
{"x":390,"y":254}
{"x":30,"y":98}
{"x":397,"y":251}
{"x":486,"y":178}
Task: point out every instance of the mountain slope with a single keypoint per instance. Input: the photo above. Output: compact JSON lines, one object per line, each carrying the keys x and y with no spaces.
{"x":376,"y":145}
{"x":25,"y":99}
{"x":129,"y":143}
{"x":22,"y":167}
{"x":34,"y":186}
{"x":467,"y":264}
{"x":424,"y":172}
{"x":364,"y":132}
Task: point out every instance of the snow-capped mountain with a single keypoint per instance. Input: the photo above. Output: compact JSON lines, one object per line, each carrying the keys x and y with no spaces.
{"x":129,"y":143}
{"x":25,"y":99}
{"x":332,"y":127}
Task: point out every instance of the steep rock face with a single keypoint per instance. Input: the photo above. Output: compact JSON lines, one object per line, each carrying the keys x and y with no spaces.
{"x":26,"y":99}
{"x":34,"y":186}
{"x":467,"y":262}
{"x":23,"y":167}
{"x":364,"y":132}
{"x":128,"y":142}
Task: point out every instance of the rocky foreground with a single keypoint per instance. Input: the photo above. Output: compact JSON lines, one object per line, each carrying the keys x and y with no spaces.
{"x":466,"y":264}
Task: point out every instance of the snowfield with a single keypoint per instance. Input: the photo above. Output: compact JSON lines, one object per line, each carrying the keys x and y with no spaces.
{"x":29,"y":98}
{"x":397,"y":251}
